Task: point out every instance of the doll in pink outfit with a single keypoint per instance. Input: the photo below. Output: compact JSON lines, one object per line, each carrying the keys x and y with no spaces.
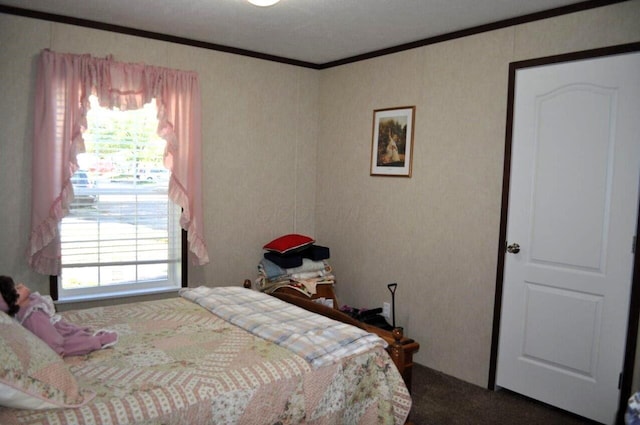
{"x":37,"y":313}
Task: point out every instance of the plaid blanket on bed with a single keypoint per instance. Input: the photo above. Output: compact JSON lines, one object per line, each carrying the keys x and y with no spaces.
{"x":318,"y":339}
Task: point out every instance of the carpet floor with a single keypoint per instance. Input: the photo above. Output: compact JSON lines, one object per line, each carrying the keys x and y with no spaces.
{"x":440,"y":399}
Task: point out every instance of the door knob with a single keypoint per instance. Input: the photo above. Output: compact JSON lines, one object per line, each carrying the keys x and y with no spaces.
{"x":514,"y":248}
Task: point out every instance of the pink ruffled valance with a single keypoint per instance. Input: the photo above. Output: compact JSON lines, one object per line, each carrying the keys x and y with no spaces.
{"x":64,"y":84}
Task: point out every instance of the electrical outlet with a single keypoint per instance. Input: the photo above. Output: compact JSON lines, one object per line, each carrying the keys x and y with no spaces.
{"x":386,"y":310}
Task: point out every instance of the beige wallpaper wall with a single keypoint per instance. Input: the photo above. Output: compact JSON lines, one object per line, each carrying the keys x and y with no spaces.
{"x":287,"y":150}
{"x":260,"y":122}
{"x":435,"y":234}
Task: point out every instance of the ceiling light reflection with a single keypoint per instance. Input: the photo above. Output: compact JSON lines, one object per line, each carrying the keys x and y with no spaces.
{"x":263,"y":3}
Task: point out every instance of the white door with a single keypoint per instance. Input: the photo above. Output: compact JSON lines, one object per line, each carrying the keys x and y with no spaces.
{"x":573,"y":202}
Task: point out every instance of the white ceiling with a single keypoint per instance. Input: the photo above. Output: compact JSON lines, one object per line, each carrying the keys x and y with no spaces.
{"x":313,"y":31}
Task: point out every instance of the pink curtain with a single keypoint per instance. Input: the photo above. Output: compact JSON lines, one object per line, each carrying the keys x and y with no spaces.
{"x":64,"y":84}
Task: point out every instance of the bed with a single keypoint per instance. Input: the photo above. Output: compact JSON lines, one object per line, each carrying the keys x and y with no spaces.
{"x":211,"y":356}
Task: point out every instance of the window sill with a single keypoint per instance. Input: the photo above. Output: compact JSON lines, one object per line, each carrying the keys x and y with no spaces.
{"x":120,"y":297}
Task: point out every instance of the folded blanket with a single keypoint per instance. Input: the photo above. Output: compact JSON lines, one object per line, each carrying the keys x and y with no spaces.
{"x":306,"y":287}
{"x":309,"y":268}
{"x":316,"y":252}
{"x":293,"y":260}
{"x":306,"y":284}
{"x":318,"y":339}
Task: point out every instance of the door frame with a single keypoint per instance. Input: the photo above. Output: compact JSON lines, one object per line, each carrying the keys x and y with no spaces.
{"x":634,"y":307}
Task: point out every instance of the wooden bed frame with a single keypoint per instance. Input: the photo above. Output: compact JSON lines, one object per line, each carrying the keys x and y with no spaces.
{"x":400,"y":349}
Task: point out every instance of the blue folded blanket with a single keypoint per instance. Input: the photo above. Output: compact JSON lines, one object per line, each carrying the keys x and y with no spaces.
{"x":316,"y":252}
{"x":284,"y":261}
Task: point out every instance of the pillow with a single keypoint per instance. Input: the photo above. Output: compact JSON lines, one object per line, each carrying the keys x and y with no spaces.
{"x":288,"y":244}
{"x":32,"y":375}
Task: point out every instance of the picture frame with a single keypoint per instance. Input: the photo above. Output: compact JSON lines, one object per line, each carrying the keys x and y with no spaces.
{"x":392,"y":141}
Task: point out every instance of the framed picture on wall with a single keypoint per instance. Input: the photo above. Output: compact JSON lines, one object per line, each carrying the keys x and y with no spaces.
{"x":392,"y":144}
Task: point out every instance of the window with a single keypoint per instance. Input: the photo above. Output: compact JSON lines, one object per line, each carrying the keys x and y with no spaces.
{"x":63,"y":84}
{"x":122,"y":233}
